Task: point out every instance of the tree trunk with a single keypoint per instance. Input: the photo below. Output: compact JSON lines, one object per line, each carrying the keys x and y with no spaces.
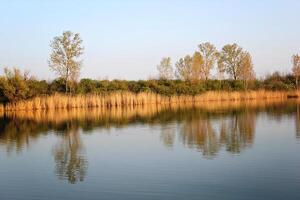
{"x":66,"y":86}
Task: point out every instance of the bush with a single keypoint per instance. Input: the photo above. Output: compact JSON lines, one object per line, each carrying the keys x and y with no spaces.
{"x":14,"y":85}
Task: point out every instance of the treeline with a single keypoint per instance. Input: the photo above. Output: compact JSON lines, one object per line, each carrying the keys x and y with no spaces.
{"x":16,"y":85}
{"x":191,"y":75}
{"x":232,"y":62}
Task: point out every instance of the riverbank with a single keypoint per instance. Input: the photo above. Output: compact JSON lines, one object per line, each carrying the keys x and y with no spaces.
{"x":128,"y":99}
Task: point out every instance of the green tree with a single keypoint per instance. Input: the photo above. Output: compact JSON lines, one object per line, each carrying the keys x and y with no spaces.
{"x":64,"y":58}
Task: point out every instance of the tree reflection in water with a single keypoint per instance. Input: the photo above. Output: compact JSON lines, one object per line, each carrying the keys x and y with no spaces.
{"x":69,"y":156}
{"x":297,"y":121}
{"x":199,"y":133}
{"x":238,"y":132}
{"x":235,"y":132}
{"x":209,"y":129}
{"x":167,"y":135}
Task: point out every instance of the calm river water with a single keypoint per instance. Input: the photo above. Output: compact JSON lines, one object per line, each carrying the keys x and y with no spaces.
{"x":235,"y":151}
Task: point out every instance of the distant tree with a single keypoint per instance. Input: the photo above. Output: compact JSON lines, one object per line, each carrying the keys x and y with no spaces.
{"x":230,"y":59}
{"x":296,"y":67}
{"x":165,"y":69}
{"x":189,"y":68}
{"x":210,"y":55}
{"x":245,"y":70}
{"x":184,"y":68}
{"x":64,"y":58}
{"x":197,"y":66}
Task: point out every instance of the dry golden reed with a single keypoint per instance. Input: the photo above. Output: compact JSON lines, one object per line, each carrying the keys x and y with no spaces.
{"x":127,"y":99}
{"x":58,"y":116}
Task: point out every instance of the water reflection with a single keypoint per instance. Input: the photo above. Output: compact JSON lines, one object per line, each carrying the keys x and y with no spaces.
{"x":239,"y":132}
{"x":167,"y":135}
{"x":69,"y":156}
{"x":297,"y":121}
{"x":199,"y":133}
{"x":208,"y":128}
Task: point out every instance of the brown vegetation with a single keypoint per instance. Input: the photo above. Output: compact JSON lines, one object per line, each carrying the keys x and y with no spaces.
{"x":127,"y":99}
{"x":127,"y":113}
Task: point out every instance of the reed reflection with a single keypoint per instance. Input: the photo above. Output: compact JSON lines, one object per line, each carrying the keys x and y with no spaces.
{"x":17,"y":134}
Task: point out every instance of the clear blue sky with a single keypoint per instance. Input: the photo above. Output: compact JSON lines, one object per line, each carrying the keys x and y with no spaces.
{"x":126,"y":39}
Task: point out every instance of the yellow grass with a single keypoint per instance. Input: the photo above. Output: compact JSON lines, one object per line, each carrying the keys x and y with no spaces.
{"x":129,"y":100}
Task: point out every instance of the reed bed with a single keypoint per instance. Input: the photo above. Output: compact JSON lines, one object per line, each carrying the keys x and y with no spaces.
{"x":58,"y":116}
{"x":129,"y":100}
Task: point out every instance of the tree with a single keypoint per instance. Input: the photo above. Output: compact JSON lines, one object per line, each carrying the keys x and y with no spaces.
{"x":245,"y":70}
{"x":197,"y":65}
{"x":296,"y":67}
{"x":209,"y":54}
{"x":64,"y":58}
{"x":189,"y":68}
{"x":230,"y":59}
{"x":165,"y":69}
{"x":184,"y":68}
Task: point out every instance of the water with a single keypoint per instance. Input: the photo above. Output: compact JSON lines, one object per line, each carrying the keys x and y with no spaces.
{"x":244,"y":151}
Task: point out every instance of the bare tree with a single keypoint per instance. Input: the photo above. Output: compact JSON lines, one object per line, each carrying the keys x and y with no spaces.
{"x":210,"y":55}
{"x":165,"y":69}
{"x":296,"y":67}
{"x":64,"y":58}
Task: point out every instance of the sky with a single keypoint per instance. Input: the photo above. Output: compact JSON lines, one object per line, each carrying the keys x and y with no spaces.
{"x":126,"y":39}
